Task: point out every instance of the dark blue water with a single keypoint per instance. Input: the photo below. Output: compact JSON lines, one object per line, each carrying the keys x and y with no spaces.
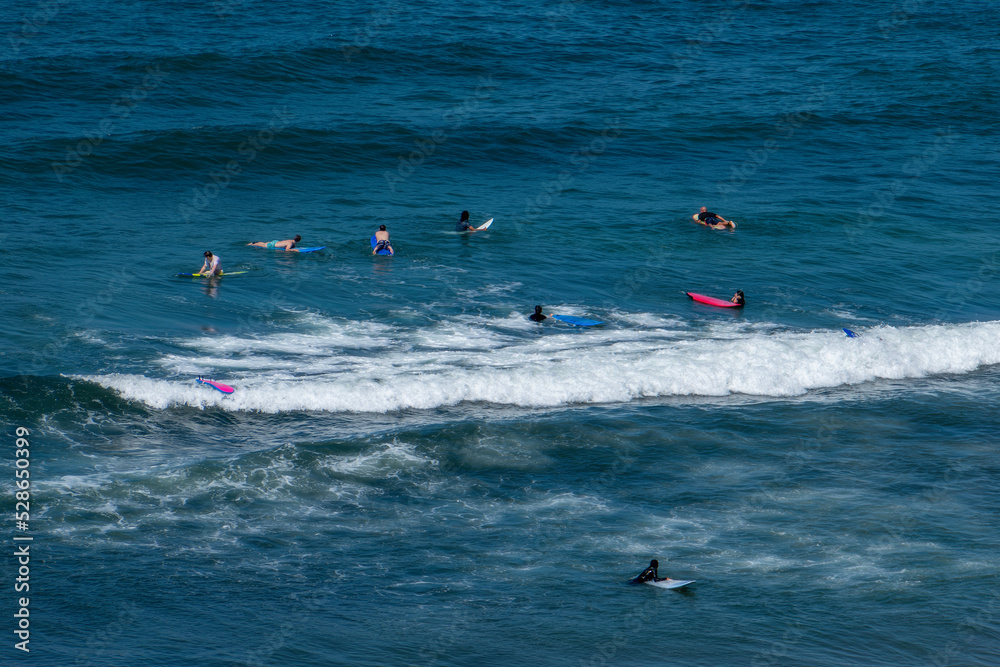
{"x":411,"y":472}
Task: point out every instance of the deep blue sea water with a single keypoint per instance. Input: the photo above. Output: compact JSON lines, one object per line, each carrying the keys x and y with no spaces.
{"x":410,"y":472}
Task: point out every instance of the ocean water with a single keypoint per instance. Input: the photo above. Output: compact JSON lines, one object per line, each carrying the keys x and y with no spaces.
{"x":410,"y":472}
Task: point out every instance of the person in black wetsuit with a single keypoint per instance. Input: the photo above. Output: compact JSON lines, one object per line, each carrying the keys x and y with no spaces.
{"x":738,"y":298}
{"x":649,"y":574}
{"x":537,"y":317}
{"x":464,"y":225}
{"x":713,"y":220}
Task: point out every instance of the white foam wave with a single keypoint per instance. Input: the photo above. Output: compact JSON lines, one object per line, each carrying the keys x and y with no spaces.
{"x":463,"y":361}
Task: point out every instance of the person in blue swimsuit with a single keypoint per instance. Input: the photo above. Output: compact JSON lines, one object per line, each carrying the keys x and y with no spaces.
{"x":287,"y":244}
{"x":713,"y":220}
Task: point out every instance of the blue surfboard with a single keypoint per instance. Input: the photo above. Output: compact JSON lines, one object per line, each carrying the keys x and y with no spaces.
{"x":850,"y":334}
{"x":383,"y":251}
{"x":576,"y":321}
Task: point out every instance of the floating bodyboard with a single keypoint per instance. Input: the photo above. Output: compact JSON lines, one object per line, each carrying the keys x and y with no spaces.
{"x":576,"y":321}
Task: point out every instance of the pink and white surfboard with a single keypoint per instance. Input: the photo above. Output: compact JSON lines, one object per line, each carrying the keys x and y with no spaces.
{"x":712,"y":301}
{"x":224,"y":388}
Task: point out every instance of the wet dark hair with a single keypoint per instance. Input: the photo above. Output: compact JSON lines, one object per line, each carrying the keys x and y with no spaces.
{"x":297,"y":238}
{"x":381,"y":228}
{"x":538,"y":309}
{"x":654,"y":563}
{"x":465,"y":216}
{"x":208,"y":253}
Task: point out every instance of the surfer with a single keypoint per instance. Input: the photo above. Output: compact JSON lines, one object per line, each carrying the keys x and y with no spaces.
{"x":382,"y":241}
{"x":649,"y":574}
{"x":212,"y":265}
{"x":713,"y":220}
{"x":738,"y":298}
{"x":287,"y":244}
{"x":537,"y":317}
{"x":464,"y":225}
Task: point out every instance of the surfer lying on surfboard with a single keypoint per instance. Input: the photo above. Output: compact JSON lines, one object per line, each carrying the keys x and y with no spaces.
{"x":287,"y":244}
{"x":537,"y":316}
{"x":382,"y":241}
{"x":713,"y":220}
{"x":649,"y":574}
{"x":738,"y":298}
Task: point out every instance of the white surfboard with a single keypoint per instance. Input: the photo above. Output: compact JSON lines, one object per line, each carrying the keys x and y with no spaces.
{"x":485,"y":225}
{"x":671,"y":583}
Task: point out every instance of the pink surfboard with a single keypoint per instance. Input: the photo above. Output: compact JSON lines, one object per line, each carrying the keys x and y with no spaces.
{"x":224,"y":388}
{"x":712,"y":301}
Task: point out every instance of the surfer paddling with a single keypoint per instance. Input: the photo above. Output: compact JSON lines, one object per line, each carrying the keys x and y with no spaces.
{"x":464,"y":225}
{"x":537,"y":316}
{"x":738,"y":298}
{"x":287,"y":244}
{"x":382,"y":241}
{"x":649,"y":574}
{"x":713,"y":220}
{"x":212,"y":265}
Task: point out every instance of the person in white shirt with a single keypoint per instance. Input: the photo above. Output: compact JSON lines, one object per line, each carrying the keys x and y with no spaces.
{"x":212,"y":265}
